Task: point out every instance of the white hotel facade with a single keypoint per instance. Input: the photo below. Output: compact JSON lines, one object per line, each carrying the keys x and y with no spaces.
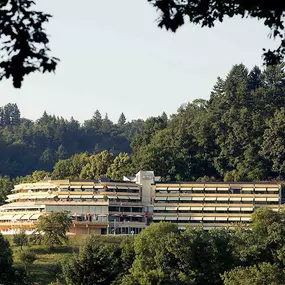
{"x":128,"y":206}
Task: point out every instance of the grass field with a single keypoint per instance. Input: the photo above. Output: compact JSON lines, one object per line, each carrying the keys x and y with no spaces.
{"x":44,"y":270}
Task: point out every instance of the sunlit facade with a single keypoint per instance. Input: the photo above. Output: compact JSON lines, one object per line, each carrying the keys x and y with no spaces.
{"x":212,"y":205}
{"x":128,"y":206}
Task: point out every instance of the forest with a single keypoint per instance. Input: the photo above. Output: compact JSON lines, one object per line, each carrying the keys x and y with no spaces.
{"x":238,"y":134}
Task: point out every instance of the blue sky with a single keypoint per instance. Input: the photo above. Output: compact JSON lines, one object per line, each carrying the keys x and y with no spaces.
{"x":114,"y":58}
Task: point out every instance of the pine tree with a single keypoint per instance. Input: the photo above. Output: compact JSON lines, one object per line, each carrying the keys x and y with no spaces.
{"x":97,"y":120}
{"x":106,"y":124}
{"x":61,"y":152}
{"x":122,"y":120}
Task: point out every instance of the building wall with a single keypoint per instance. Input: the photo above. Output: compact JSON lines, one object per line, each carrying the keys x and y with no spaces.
{"x":212,"y":205}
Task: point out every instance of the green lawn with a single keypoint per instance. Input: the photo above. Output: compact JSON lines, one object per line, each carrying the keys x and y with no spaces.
{"x":44,"y":270}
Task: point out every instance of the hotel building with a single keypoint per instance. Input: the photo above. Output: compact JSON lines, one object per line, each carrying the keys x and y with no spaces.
{"x":128,"y":206}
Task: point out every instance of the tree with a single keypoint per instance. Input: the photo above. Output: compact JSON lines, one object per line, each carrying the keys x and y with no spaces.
{"x":122,"y":165}
{"x":25,"y":41}
{"x":106,"y":124}
{"x":122,"y":120}
{"x":27,"y":258}
{"x":6,"y":186}
{"x":61,"y":153}
{"x":264,"y":241}
{"x":97,"y":165}
{"x":273,"y":147}
{"x":262,"y":274}
{"x":20,"y":239}
{"x":98,"y":263}
{"x":173,"y":14}
{"x":8,"y":274}
{"x":54,"y":228}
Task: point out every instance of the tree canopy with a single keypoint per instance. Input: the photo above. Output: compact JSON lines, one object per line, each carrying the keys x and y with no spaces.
{"x":163,"y":254}
{"x":52,"y":229}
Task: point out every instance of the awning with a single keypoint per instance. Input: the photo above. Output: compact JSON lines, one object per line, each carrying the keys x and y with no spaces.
{"x":248,"y":209}
{"x":197,"y":198}
{"x":221,"y":218}
{"x":133,"y":188}
{"x":122,"y":197}
{"x":171,"y":208}
{"x":173,"y":198}
{"x":26,"y":217}
{"x":62,"y":196}
{"x":184,"y":208}
{"x":234,"y":218}
{"x":209,"y":208}
{"x":208,"y":218}
{"x":171,"y":218}
{"x":135,"y":197}
{"x":36,"y":197}
{"x":6,"y":217}
{"x":75,"y":186}
{"x":101,"y":187}
{"x":247,"y":199}
{"x":221,"y":208}
{"x":75,"y":196}
{"x":245,"y":218}
{"x":160,"y":198}
{"x":183,"y":218}
{"x":173,"y":188}
{"x":234,"y":209}
{"x":222,"y":198}
{"x":210,"y":198}
{"x":64,"y":186}
{"x":161,"y":188}
{"x":273,"y":199}
{"x":184,"y":198}
{"x":223,"y":189}
{"x":196,"y":218}
{"x":196,"y":208}
{"x":122,"y":187}
{"x":159,"y":218}
{"x":98,"y":196}
{"x":112,"y":197}
{"x":35,"y":216}
{"x":272,"y":189}
{"x":260,"y":199}
{"x":88,"y":186}
{"x":51,"y":196}
{"x":17,"y":217}
{"x":235,"y":198}
{"x":260,"y":189}
{"x":159,"y":208}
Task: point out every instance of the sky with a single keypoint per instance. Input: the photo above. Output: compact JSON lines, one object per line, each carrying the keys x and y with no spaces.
{"x":114,"y":58}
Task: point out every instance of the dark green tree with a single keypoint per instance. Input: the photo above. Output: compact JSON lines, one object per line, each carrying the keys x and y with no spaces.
{"x":122,"y":120}
{"x":20,"y":239}
{"x":54,"y":228}
{"x":25,"y":41}
{"x":98,"y":263}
